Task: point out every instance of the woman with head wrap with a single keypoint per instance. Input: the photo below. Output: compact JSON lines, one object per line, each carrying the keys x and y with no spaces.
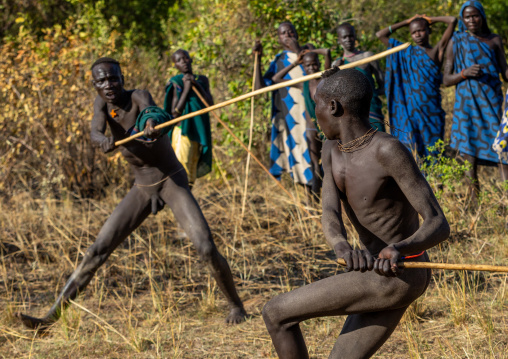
{"x":474,"y":60}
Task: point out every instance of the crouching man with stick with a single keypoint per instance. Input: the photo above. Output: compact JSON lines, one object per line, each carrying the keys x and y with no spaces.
{"x":159,"y":179}
{"x":383,"y":192}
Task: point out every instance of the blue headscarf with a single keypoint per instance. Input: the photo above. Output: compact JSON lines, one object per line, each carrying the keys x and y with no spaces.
{"x":478,"y":6}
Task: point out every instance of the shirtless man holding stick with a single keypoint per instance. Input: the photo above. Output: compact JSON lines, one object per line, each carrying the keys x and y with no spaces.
{"x":159,"y":179}
{"x":383,"y":192}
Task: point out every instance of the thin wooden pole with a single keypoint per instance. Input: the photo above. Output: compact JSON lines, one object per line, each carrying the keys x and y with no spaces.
{"x":251,"y":127}
{"x":449,"y":266}
{"x":252,"y":155}
{"x":267,"y":89}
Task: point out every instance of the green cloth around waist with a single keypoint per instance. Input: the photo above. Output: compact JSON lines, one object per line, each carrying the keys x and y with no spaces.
{"x":197,"y":128}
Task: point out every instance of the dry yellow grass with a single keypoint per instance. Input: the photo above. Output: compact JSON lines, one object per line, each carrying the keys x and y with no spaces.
{"x":153,"y":298}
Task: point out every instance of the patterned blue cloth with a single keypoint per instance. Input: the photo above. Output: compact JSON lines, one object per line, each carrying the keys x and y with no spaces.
{"x":501,"y":142}
{"x":289,"y":151}
{"x":478,"y":101}
{"x":414,"y":98}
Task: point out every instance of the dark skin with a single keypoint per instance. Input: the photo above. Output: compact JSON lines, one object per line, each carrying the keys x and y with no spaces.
{"x":288,"y":39}
{"x":420,"y":31}
{"x":151,"y":163}
{"x":346,"y":37}
{"x":474,"y":23}
{"x":311,"y":65}
{"x":183,"y":63}
{"x":383,"y":192}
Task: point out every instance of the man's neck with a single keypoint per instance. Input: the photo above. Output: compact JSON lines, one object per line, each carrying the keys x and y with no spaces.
{"x":425,"y":46}
{"x":350,"y":53}
{"x":122,"y":101}
{"x":285,"y":48}
{"x":351,"y":129}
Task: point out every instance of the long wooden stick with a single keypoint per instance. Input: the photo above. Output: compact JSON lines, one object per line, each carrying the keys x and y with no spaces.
{"x":251,"y":127}
{"x":450,"y":266}
{"x":267,"y":89}
{"x":249,"y":152}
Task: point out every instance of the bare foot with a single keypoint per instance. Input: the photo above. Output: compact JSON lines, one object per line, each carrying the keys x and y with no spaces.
{"x":34,"y":323}
{"x":236,"y":316}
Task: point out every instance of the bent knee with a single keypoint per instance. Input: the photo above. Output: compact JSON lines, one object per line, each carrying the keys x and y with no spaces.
{"x":206,"y":250}
{"x":273,"y":315}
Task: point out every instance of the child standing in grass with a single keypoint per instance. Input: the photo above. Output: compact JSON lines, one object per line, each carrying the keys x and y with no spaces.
{"x":191,"y":139}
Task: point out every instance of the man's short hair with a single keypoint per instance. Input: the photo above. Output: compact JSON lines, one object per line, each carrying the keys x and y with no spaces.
{"x":105,"y":60}
{"x":345,"y":25}
{"x":420,"y":19}
{"x":311,"y":54}
{"x":289,"y":23}
{"x":179,"y":51}
{"x":349,"y":87}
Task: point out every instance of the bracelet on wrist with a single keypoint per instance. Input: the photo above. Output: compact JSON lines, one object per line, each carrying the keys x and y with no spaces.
{"x":462,"y":74}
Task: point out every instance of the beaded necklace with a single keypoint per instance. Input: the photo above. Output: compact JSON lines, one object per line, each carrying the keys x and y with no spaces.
{"x":357,"y":143}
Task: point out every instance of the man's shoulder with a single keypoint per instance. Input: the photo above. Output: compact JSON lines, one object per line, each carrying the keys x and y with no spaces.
{"x":496,"y":40}
{"x":326,"y":156}
{"x":99,"y":104}
{"x":391,"y":153}
{"x":388,"y":147}
{"x":139,"y":95}
{"x":367,"y":54}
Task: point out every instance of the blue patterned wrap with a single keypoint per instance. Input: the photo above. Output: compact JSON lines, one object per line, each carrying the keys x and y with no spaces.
{"x":478,"y":101}
{"x":289,"y":151}
{"x":413,"y":96}
{"x":501,"y":142}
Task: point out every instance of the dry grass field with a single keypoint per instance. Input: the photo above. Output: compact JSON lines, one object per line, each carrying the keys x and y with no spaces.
{"x":154,"y":298}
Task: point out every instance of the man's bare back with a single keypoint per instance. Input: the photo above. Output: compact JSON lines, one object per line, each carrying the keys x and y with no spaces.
{"x":377,"y":180}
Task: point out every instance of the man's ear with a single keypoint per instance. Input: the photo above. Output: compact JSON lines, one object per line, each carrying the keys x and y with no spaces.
{"x":336,"y":108}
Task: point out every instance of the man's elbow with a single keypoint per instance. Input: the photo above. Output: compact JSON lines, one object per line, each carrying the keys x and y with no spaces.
{"x":443,"y":229}
{"x":447,"y":82}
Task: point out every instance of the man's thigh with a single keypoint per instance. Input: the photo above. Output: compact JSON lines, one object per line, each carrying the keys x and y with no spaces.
{"x":126,"y":217}
{"x":177,"y":195}
{"x":345,"y":294}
